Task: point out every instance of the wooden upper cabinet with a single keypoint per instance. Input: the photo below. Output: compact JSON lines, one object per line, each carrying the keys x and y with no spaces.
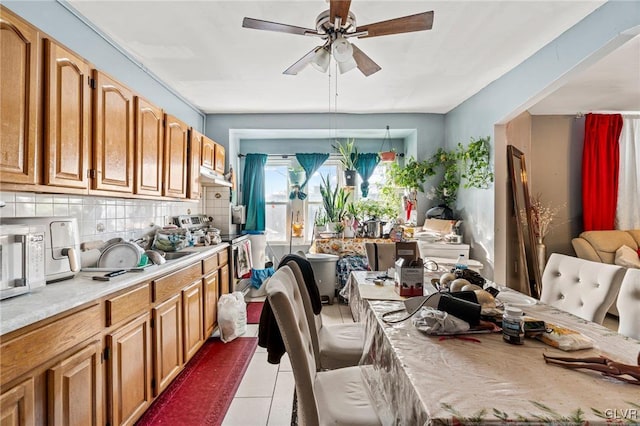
{"x":219,"y":161}
{"x":208,"y":153}
{"x":113,"y":138}
{"x":19,"y":99}
{"x":195,"y":158}
{"x":67,"y":118}
{"x":176,"y":140}
{"x":149,"y":148}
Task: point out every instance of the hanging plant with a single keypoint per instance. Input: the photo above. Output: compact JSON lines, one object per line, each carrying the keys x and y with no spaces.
{"x":412,"y":175}
{"x":348,"y":153}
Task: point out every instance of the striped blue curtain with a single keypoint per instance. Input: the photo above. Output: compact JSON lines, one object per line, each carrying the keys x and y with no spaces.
{"x":253,"y":191}
{"x":365,"y":165}
{"x":310,"y":163}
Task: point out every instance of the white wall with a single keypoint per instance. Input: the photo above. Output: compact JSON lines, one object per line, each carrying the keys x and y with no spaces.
{"x":603,"y":31}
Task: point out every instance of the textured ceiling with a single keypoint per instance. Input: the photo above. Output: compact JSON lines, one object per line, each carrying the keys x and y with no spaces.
{"x":200,"y":49}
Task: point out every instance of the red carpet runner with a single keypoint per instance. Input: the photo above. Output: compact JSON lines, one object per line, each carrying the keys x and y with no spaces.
{"x":203,"y":391}
{"x":254,"y":309}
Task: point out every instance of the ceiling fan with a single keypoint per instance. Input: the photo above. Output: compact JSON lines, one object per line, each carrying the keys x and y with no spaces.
{"x":335,"y":26}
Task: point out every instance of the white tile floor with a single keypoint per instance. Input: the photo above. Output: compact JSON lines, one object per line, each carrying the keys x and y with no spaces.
{"x":265,"y":395}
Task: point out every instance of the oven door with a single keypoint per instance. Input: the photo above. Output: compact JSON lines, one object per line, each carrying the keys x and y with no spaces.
{"x":13,"y":270}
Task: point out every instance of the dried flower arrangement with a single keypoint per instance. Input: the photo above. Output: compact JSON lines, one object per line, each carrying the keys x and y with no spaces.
{"x":541,"y":217}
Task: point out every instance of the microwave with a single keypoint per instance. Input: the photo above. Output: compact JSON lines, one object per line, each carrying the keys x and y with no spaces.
{"x":22,"y":259}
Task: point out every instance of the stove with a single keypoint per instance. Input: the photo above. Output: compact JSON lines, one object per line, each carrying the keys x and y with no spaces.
{"x":239,"y":246}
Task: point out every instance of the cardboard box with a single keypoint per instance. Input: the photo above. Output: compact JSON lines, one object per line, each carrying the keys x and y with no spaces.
{"x":409,"y":270}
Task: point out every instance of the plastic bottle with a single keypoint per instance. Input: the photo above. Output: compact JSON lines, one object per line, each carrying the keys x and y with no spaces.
{"x":513,"y":325}
{"x":461,"y":263}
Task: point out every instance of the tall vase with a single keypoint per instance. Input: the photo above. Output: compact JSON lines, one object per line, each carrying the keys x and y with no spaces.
{"x":541,"y":252}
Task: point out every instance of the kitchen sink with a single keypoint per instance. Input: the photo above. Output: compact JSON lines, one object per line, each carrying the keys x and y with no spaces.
{"x":174,"y":255}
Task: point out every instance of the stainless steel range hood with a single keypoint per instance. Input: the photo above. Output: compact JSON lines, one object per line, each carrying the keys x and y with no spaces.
{"x":210,"y":178}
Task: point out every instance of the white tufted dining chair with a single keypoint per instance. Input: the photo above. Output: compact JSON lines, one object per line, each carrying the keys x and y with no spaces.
{"x":334,"y":346}
{"x":333,"y":397}
{"x":581,"y":287}
{"x":629,"y":304}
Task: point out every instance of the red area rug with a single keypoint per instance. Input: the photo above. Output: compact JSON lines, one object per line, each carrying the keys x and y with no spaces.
{"x":203,"y":391}
{"x":254,"y":309}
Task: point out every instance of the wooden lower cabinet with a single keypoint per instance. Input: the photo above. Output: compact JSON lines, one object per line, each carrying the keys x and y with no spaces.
{"x":17,"y":405}
{"x":210,"y":299}
{"x":167,"y":323}
{"x":129,"y":370}
{"x":192,"y":320}
{"x":224,"y":280}
{"x":75,"y":388}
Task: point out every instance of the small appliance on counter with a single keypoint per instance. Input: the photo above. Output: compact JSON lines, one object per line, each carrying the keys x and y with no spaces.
{"x":22,"y":253}
{"x":61,"y":244}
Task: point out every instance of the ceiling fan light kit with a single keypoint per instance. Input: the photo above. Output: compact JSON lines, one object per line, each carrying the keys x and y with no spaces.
{"x":335,"y":26}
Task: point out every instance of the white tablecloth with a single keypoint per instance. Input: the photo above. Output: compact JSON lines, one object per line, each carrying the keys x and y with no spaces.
{"x":418,"y":379}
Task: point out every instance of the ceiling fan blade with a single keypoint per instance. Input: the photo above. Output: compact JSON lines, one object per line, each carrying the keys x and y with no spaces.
{"x":339,"y":9}
{"x":365,"y":63}
{"x":406,"y":24}
{"x":302,"y":62}
{"x":259,"y":24}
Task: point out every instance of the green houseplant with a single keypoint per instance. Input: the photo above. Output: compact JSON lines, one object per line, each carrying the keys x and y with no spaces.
{"x":334,"y":200}
{"x":348,"y":157}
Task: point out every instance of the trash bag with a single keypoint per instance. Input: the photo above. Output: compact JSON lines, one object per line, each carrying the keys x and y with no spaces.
{"x":232,"y":316}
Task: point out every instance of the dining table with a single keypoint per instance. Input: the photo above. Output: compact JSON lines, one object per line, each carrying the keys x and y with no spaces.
{"x":417,"y":378}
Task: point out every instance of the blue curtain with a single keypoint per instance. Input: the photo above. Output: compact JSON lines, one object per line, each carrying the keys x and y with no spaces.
{"x":253,"y":191}
{"x":365,"y":165}
{"x":310,"y":163}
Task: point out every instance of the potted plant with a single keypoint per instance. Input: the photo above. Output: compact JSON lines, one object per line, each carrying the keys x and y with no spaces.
{"x":334,"y":201}
{"x":348,"y":157}
{"x":296,"y":175}
{"x":320,"y":223}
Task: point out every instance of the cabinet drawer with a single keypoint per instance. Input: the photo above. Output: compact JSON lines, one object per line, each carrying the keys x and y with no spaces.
{"x":223,"y":257}
{"x":210,"y":264}
{"x":29,"y":350}
{"x":171,"y":284}
{"x":129,"y":303}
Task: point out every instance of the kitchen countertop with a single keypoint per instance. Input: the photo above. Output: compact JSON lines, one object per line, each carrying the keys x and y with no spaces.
{"x":55,"y":298}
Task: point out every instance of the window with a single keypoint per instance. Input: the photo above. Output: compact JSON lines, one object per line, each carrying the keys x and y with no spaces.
{"x":280,"y":210}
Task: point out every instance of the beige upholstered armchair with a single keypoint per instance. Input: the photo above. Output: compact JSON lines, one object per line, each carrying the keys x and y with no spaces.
{"x":601,"y":246}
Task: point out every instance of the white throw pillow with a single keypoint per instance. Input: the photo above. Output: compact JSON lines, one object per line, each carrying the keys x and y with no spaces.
{"x":626,"y":256}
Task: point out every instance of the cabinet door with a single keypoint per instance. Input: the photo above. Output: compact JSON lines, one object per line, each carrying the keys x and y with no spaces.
{"x":19,"y":98}
{"x":193,"y":189}
{"x":149,"y":148}
{"x":75,"y":388}
{"x":219,"y":160}
{"x":193,"y":318}
{"x":175,"y":157}
{"x":224,"y":280}
{"x":17,"y":405}
{"x":129,"y":371}
{"x":113,"y":135}
{"x":67,"y":118}
{"x":210,"y":288}
{"x":167,"y":320}
{"x":208,"y":153}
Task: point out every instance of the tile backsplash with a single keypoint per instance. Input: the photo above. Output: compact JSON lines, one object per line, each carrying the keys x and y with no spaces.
{"x":99,"y":218}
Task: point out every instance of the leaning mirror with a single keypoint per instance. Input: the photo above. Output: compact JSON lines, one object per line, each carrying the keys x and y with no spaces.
{"x":529,"y":271}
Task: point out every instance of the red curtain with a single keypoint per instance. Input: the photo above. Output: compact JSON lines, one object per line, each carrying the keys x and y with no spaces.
{"x":600,"y":164}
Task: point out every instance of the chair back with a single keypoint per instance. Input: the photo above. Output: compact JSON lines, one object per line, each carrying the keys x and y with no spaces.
{"x":314,"y":321}
{"x":584,"y":288}
{"x":381,"y":256}
{"x":629,"y":304}
{"x":287,"y":306}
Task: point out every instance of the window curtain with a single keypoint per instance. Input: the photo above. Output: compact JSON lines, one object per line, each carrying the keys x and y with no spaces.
{"x":365,"y":165}
{"x":310,"y":163}
{"x":628,"y":208}
{"x":253,"y":191}
{"x":600,"y":165}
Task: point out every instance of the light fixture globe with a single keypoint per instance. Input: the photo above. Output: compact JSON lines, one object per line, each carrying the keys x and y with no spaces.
{"x":321,"y":60}
{"x":342,"y":49}
{"x":347,"y":65}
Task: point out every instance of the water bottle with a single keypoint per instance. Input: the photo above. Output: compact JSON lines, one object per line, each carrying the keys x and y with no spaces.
{"x":461,"y":263}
